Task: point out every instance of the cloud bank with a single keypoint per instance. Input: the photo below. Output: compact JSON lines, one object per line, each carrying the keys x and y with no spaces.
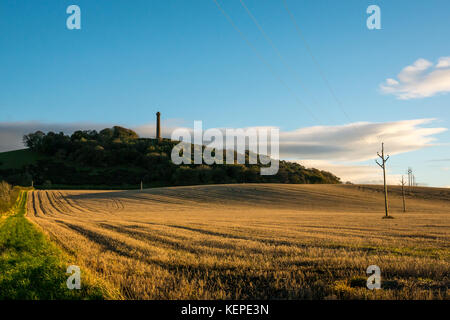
{"x":356,"y":173}
{"x":357,"y":141}
{"x":420,"y":80}
{"x":351,"y":142}
{"x":11,"y":133}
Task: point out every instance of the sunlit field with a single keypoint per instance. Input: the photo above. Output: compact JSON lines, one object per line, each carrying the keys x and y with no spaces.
{"x":265,"y":241}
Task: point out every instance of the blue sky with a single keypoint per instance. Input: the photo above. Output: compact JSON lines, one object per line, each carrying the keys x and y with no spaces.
{"x":184,"y":58}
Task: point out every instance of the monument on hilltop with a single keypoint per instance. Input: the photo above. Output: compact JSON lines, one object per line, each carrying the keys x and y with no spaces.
{"x":158,"y":126}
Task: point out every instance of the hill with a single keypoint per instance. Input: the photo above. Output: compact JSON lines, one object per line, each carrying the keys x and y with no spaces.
{"x":18,"y":159}
{"x":117,"y":158}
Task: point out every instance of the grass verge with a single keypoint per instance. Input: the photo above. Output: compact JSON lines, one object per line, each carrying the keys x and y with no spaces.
{"x":31,"y":267}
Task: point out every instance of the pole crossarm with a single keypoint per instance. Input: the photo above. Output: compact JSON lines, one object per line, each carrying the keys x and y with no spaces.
{"x":379,"y":164}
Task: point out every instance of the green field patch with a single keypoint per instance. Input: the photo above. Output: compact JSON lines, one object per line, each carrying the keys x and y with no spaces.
{"x":31,"y":267}
{"x":437,"y":253}
{"x":19,"y":158}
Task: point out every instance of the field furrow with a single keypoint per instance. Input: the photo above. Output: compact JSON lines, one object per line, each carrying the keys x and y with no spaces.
{"x":254,"y":241}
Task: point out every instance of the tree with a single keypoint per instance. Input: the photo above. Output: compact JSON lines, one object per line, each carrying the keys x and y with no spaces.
{"x":124,"y":134}
{"x":34,"y":140}
{"x":106,"y":135}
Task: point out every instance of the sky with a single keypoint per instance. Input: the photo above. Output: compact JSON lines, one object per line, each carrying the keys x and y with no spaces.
{"x":334,"y":88}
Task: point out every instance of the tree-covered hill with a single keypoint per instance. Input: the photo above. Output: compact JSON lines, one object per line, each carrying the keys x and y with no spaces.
{"x":117,"y":158}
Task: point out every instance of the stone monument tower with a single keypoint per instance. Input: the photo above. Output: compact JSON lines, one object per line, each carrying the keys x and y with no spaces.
{"x":158,"y":126}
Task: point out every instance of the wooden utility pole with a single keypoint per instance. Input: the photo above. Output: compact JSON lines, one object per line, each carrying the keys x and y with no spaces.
{"x":383,"y":166}
{"x":403,"y":182}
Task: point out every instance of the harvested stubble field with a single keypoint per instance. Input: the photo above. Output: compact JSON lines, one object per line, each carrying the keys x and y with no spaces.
{"x":254,"y":241}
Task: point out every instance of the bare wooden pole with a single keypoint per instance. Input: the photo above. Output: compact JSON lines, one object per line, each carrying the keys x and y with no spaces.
{"x":403,"y":182}
{"x":383,"y":166}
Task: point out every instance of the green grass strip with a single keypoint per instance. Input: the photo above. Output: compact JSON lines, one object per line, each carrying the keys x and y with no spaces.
{"x":32,"y":267}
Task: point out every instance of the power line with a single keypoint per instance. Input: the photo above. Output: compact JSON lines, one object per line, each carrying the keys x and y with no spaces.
{"x":316,"y":62}
{"x":268,"y":65}
{"x":320,"y":70}
{"x":280,"y":56}
{"x":260,"y":57}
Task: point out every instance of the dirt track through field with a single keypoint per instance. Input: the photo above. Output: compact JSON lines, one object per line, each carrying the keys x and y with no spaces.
{"x":253,"y":240}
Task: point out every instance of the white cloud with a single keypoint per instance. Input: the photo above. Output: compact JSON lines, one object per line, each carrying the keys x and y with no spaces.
{"x":443,"y":62}
{"x":352,"y":142}
{"x":357,"y":141}
{"x":356,"y":173}
{"x":420,"y":80}
{"x":392,"y":82}
{"x":341,"y":149}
